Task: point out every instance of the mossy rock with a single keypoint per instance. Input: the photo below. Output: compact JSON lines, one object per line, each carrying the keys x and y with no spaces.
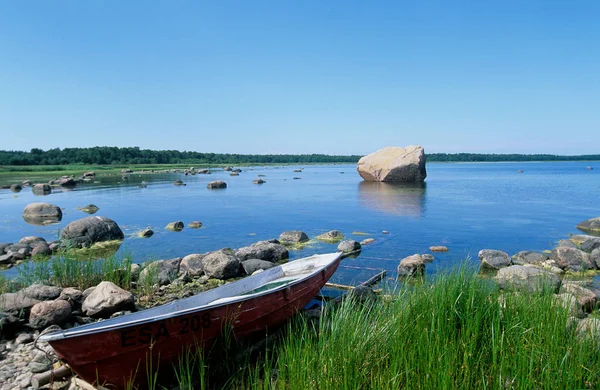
{"x":331,"y":237}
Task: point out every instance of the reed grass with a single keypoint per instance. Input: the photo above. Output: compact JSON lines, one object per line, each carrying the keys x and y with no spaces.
{"x":454,"y":333}
{"x":67,"y":270}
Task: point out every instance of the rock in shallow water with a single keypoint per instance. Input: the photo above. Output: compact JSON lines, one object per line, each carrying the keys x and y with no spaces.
{"x":87,"y":231}
{"x":394,"y":164}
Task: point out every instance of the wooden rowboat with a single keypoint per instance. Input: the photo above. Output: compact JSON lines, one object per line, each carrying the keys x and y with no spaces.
{"x":110,"y":352}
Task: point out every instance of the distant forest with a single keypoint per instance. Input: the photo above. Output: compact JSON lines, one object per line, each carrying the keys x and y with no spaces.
{"x":106,"y":155}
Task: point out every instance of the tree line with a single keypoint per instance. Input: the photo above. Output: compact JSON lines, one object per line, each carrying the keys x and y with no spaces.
{"x":107,"y":155}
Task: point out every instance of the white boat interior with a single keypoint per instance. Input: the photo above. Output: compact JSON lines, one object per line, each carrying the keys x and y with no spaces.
{"x":263,"y":283}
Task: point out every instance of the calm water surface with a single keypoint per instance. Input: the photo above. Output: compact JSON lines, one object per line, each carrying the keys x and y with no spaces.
{"x":467,"y":207}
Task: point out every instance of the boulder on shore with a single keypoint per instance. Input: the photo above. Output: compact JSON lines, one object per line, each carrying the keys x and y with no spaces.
{"x":160,"y":272}
{"x":572,"y":259}
{"x":48,"y":313}
{"x":492,"y":259}
{"x":394,"y":164}
{"x":87,"y":231}
{"x":105,"y":299}
{"x":221,"y":265}
{"x":411,"y":266}
{"x":263,"y":250}
{"x":527,"y":278}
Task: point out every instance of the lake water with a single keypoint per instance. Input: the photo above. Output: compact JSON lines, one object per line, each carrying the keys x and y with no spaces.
{"x":466,"y":207}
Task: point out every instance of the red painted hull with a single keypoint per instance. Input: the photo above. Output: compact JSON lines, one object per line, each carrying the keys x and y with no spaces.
{"x":118,"y":357}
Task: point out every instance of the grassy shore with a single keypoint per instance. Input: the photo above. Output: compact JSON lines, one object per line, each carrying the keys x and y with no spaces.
{"x":459,"y":332}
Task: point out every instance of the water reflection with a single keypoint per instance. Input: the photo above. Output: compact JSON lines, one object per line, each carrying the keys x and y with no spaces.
{"x":403,"y":199}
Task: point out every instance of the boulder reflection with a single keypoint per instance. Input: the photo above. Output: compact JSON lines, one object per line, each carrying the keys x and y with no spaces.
{"x":403,"y":199}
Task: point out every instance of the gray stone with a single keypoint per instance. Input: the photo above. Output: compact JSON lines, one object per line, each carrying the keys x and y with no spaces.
{"x":192,"y":264}
{"x":195,"y":224}
{"x":221,"y":265}
{"x":161,"y":272}
{"x":216,"y":184}
{"x":586,"y":298}
{"x":367,"y":241}
{"x":595,"y":257}
{"x":411,"y":266}
{"x":394,"y":164}
{"x":569,"y":302}
{"x":42,"y":249}
{"x":293,"y":236}
{"x":332,"y":236}
{"x":36,"y":367}
{"x":67,"y":182}
{"x":41,"y":189}
{"x":48,"y":313}
{"x":107,"y":298}
{"x":176,"y":226}
{"x":532,"y":279}
{"x":572,"y":259}
{"x":17,"y":304}
{"x":4,"y":245}
{"x":24,"y":338}
{"x":528,"y":257}
{"x":589,"y":327}
{"x":42,"y":292}
{"x":590,"y":244}
{"x":178,"y":183}
{"x":263,"y":250}
{"x":42,"y":213}
{"x":492,"y":259}
{"x":87,"y":231}
{"x":591,"y":226}
{"x":567,"y":243}
{"x":16,"y":187}
{"x":348,"y":246}
{"x":252,"y":265}
{"x":31,"y":240}
{"x":259,"y":181}
{"x":72,"y":295}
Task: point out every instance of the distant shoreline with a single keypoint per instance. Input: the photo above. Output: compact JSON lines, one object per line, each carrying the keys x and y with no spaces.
{"x":114,"y":156}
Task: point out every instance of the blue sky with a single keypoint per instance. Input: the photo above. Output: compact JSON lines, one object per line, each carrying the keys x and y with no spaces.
{"x":335,"y":77}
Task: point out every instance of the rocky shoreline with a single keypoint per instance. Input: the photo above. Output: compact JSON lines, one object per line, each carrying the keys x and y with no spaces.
{"x":30,"y":310}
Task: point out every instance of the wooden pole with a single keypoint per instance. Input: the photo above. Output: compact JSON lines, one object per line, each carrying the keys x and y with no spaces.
{"x":44,"y":378}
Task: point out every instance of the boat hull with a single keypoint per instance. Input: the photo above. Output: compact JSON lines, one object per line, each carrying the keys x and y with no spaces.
{"x":118,"y":358}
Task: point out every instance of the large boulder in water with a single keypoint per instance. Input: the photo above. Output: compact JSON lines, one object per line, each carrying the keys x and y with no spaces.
{"x":394,"y":164}
{"x":42,"y":213}
{"x":90,"y":230}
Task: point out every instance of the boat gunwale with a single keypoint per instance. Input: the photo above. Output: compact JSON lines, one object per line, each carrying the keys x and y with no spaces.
{"x":78,"y":332}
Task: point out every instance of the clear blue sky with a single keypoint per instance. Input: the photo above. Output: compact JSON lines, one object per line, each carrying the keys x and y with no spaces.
{"x":335,"y":77}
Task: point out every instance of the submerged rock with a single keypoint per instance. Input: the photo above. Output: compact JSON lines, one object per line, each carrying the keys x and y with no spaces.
{"x":90,"y":208}
{"x":331,"y":237}
{"x":175,"y":226}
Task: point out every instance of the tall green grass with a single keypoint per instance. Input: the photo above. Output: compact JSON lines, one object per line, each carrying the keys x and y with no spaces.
{"x":72,"y":271}
{"x":454,"y":333}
